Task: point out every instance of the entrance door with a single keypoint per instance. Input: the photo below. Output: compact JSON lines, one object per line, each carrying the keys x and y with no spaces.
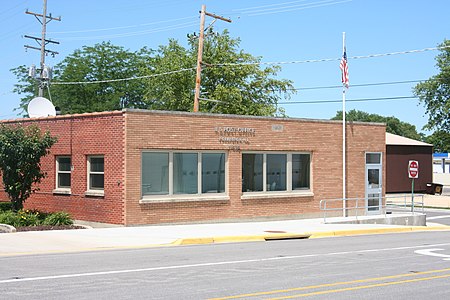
{"x":373,"y":183}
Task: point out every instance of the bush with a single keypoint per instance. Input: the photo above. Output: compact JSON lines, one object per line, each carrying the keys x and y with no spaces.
{"x":29,"y":218}
{"x":58,"y":218}
{"x":5,"y":206}
{"x":10,"y":218}
{"x":25,"y":218}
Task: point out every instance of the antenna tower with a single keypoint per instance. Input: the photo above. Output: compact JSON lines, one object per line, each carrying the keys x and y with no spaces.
{"x":45,"y":72}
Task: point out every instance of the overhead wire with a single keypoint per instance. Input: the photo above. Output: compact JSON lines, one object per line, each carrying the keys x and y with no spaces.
{"x":119,"y":27}
{"x":354,"y":85}
{"x":328,"y":59}
{"x":298,"y":7}
{"x":135,"y":33}
{"x":263,"y":63}
{"x":122,"y":79}
{"x":349,"y":100}
{"x":282,"y":7}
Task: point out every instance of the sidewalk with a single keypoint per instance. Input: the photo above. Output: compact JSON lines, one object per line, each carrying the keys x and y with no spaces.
{"x":62,"y":241}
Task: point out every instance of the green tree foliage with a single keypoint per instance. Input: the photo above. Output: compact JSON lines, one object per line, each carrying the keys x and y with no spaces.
{"x":100,"y":62}
{"x":21,"y":149}
{"x":435,"y":92}
{"x":245,"y":89}
{"x":440,"y":141}
{"x":393,"y":124}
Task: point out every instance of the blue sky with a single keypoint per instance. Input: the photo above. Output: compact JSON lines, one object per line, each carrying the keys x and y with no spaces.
{"x":278,"y":31}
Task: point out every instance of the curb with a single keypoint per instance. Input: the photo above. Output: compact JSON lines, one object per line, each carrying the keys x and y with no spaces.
{"x":351,"y":232}
{"x":240,"y":238}
{"x":307,"y":235}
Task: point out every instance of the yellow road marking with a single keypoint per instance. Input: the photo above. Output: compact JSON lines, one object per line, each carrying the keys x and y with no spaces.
{"x":363,"y":287}
{"x":334,"y":284}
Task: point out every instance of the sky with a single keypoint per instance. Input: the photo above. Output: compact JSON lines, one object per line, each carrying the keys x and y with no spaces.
{"x":306,"y":36}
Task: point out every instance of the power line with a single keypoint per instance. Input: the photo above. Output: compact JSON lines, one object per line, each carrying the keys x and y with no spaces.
{"x":350,"y":100}
{"x":134,"y":33}
{"x":119,"y":27}
{"x":122,"y":79}
{"x":355,"y":85}
{"x":283,"y":7}
{"x":327,"y":59}
{"x":268,"y":63}
{"x":296,"y":7}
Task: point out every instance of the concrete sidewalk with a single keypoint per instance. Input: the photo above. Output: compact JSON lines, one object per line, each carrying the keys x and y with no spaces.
{"x":62,"y":241}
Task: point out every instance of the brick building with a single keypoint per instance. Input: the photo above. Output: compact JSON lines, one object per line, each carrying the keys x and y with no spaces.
{"x":136,"y":167}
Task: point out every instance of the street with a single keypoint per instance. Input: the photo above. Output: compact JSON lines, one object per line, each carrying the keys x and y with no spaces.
{"x":391,"y":266}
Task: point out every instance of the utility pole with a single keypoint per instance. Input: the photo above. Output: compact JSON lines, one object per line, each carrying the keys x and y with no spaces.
{"x":42,"y":41}
{"x":203,"y":13}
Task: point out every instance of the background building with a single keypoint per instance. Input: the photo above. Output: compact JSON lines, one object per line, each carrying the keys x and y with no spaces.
{"x":399,"y":151}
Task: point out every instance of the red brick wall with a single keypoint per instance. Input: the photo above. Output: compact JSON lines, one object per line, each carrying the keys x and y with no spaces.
{"x":122,"y":136}
{"x":182,"y":131}
{"x":80,"y":136}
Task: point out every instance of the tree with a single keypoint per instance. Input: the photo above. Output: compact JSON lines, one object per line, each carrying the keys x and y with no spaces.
{"x":393,"y":124}
{"x":434,"y":93}
{"x":440,"y":141}
{"x":21,"y":150}
{"x":240,"y":89}
{"x":100,"y":62}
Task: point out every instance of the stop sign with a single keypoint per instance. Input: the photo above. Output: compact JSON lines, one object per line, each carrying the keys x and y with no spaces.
{"x":413,"y":169}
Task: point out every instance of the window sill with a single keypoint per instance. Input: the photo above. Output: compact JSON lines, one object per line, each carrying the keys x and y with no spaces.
{"x":62,"y":191}
{"x":268,"y":195}
{"x":175,"y":199}
{"x":93,"y":193}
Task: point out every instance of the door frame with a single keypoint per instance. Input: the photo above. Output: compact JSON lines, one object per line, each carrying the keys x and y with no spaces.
{"x":376,"y":190}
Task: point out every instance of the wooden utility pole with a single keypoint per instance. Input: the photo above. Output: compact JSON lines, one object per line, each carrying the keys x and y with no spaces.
{"x":43,"y":19}
{"x":203,"y":13}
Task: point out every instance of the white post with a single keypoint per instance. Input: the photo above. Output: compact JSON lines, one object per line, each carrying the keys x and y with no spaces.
{"x":344,"y":203}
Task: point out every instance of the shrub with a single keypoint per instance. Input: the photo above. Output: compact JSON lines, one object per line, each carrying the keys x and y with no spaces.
{"x":58,"y":218}
{"x":5,"y":206}
{"x":28,"y":218}
{"x":10,"y":218}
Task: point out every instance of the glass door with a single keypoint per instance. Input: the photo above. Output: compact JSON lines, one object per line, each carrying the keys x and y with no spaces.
{"x":373,"y":183}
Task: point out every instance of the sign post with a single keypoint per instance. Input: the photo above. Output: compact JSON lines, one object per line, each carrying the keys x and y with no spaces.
{"x":413,"y":172}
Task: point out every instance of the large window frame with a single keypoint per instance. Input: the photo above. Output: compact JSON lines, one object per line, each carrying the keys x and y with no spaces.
{"x":270,"y":189}
{"x":173,"y":193}
{"x":60,"y":172}
{"x":94,"y":190}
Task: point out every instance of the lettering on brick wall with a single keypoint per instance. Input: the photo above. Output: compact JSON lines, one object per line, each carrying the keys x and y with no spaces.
{"x":234,"y":136}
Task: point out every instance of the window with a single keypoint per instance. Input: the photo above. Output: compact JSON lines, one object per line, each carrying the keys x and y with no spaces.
{"x":274,"y":172}
{"x":96,"y":175}
{"x":63,"y":172}
{"x":185,"y":173}
{"x":300,"y":171}
{"x":213,"y":172}
{"x":373,"y":158}
{"x":182,"y":173}
{"x":155,"y":174}
{"x":252,"y":172}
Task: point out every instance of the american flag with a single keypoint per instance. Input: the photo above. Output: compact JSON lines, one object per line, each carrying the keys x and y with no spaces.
{"x":344,"y":69}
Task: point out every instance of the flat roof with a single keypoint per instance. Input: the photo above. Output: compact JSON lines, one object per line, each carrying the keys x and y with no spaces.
{"x":184,"y":113}
{"x":393,"y":139}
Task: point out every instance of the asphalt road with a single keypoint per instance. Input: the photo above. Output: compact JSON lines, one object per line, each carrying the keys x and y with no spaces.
{"x":390,"y":266}
{"x":441,"y":216}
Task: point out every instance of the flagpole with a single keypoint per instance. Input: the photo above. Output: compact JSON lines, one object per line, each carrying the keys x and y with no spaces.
{"x":344,"y":194}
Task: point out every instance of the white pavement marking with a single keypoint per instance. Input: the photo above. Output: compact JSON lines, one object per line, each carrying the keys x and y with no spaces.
{"x":438,"y":217}
{"x":430,"y":252}
{"x":221,"y":263}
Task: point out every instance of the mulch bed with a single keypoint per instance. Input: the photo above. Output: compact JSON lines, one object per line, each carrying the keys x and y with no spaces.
{"x":48,"y":227}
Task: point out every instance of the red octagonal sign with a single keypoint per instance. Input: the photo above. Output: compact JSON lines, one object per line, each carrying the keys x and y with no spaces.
{"x":413,"y":169}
